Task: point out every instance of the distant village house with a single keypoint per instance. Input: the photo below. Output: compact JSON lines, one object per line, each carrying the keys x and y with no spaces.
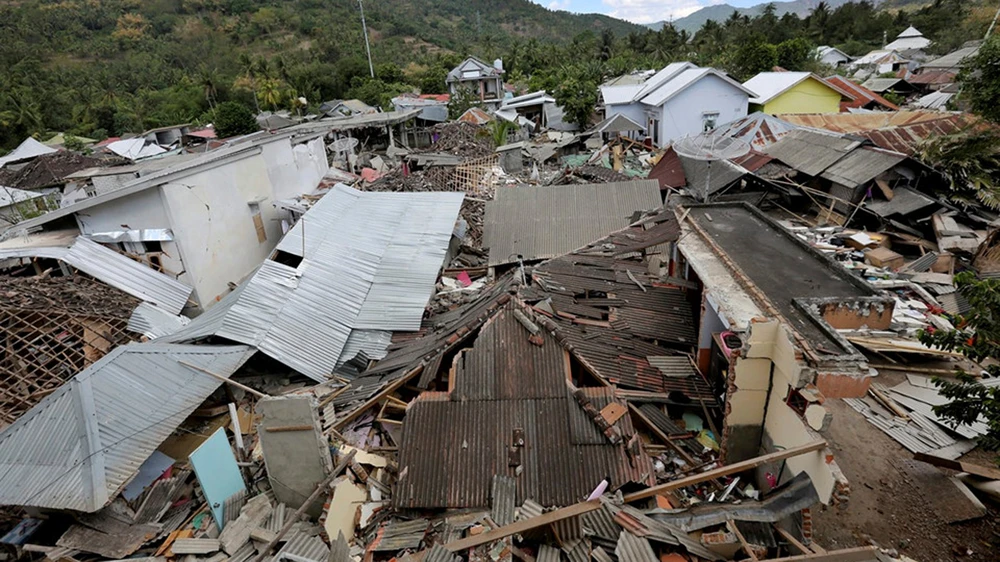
{"x":481,"y":79}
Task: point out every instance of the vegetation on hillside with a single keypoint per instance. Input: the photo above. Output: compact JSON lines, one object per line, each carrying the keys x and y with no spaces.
{"x":105,"y":68}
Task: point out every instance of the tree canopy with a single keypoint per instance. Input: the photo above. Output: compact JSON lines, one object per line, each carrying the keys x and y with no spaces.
{"x":98,"y":69}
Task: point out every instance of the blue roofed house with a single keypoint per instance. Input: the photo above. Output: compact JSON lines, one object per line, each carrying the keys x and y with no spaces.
{"x":678,"y":101}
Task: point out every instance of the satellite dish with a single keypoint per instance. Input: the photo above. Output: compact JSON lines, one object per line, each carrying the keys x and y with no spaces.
{"x":708,"y":148}
{"x":344,"y":145}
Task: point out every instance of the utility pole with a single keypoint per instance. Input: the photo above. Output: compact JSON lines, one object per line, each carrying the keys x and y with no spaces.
{"x":368,"y":49}
{"x":992,"y":25}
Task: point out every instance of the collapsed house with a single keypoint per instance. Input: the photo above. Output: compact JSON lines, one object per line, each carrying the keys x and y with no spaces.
{"x":205,"y":222}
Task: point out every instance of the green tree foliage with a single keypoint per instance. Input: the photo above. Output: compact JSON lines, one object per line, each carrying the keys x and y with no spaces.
{"x":119,"y":66}
{"x":753,"y":57}
{"x":577,"y":94}
{"x":498,"y":131}
{"x":795,"y":53}
{"x":977,"y":337}
{"x":970,"y":162}
{"x":461,"y":101}
{"x":233,"y":119}
{"x":981,"y":80}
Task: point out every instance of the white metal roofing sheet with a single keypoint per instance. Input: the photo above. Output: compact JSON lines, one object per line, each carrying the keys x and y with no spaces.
{"x":128,"y":275}
{"x":768,"y":85}
{"x":80,"y":445}
{"x":370,"y":261}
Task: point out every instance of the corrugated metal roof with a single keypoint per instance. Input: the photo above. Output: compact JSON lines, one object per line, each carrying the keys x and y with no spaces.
{"x":370,"y":261}
{"x":153,"y":322}
{"x":437,"y":553}
{"x":810,"y":152}
{"x":540,"y":222}
{"x":547,"y":553}
{"x":861,"y":166}
{"x":880,"y":85}
{"x":953,"y":60}
{"x":504,"y":498}
{"x":863,"y":96}
{"x":399,"y":535}
{"x":618,"y":123}
{"x":758,"y":129}
{"x":303,"y":546}
{"x":78,"y":447}
{"x":907,"y":138}
{"x":861,"y":122}
{"x":904,"y":202}
{"x":684,"y":80}
{"x":29,"y":148}
{"x":128,"y":275}
{"x":453,"y":446}
{"x":634,"y":549}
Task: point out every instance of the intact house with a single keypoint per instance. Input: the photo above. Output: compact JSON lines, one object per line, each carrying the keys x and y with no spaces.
{"x":832,"y":56}
{"x":206,"y":222}
{"x":483,"y":80}
{"x":795,"y":92}
{"x":678,"y":101}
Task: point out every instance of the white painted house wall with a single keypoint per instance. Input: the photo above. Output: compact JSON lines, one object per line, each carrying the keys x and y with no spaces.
{"x":213,"y":226}
{"x":684,"y":114}
{"x":634,"y":111}
{"x":295,"y":170}
{"x":141,"y":210}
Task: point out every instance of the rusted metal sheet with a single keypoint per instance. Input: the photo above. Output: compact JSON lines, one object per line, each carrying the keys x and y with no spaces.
{"x":504,"y":499}
{"x":400,"y":535}
{"x":538,"y":222}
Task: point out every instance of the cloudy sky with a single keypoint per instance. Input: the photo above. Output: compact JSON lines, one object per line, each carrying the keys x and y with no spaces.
{"x":640,"y":11}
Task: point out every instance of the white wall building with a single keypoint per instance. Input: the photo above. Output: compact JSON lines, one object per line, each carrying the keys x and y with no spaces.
{"x":207,"y":221}
{"x":680,"y":100}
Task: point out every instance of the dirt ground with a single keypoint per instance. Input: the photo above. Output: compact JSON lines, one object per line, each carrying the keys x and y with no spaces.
{"x":889,"y":510}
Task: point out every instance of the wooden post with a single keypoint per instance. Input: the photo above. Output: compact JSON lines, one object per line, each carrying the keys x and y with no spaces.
{"x":727,"y":470}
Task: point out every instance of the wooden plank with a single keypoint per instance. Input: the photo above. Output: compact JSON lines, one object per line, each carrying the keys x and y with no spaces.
{"x":375,"y":399}
{"x":523,"y":526}
{"x":256,"y":393}
{"x":663,"y":436}
{"x":743,"y":542}
{"x":613,"y":412}
{"x":859,"y":554}
{"x":728,"y":469}
{"x":792,"y":540}
{"x":984,"y":471}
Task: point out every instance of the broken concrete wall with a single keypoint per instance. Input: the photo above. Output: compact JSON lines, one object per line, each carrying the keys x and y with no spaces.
{"x":759,"y":419}
{"x":295,"y":453}
{"x":875,"y":314}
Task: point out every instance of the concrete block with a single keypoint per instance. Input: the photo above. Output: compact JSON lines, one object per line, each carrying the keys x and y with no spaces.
{"x":296,"y":453}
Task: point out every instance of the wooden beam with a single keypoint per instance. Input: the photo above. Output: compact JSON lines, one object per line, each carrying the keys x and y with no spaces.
{"x":523,"y":526}
{"x":859,"y":554}
{"x":256,"y":393}
{"x":375,"y":399}
{"x":728,"y":469}
{"x":743,"y":541}
{"x":663,"y":437}
{"x":984,"y":471}
{"x":792,"y":540}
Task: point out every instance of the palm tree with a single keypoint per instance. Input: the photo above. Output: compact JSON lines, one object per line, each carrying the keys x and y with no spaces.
{"x":270,"y":93}
{"x":207,"y":81}
{"x":250,"y":74}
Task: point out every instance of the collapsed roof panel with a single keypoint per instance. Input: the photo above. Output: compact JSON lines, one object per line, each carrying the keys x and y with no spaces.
{"x":810,"y":152}
{"x":510,"y":413}
{"x":538,"y":222}
{"x":81,"y":444}
{"x":369,"y":262}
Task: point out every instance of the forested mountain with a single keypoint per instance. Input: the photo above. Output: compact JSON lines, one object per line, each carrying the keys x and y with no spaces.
{"x":720,"y":12}
{"x":106,"y":67}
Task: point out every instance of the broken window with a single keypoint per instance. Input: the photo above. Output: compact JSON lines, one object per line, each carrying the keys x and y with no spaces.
{"x":258,"y":221}
{"x":709,"y":121}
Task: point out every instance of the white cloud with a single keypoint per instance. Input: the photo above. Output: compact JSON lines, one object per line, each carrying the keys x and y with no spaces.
{"x":650,"y":11}
{"x":559,"y":5}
